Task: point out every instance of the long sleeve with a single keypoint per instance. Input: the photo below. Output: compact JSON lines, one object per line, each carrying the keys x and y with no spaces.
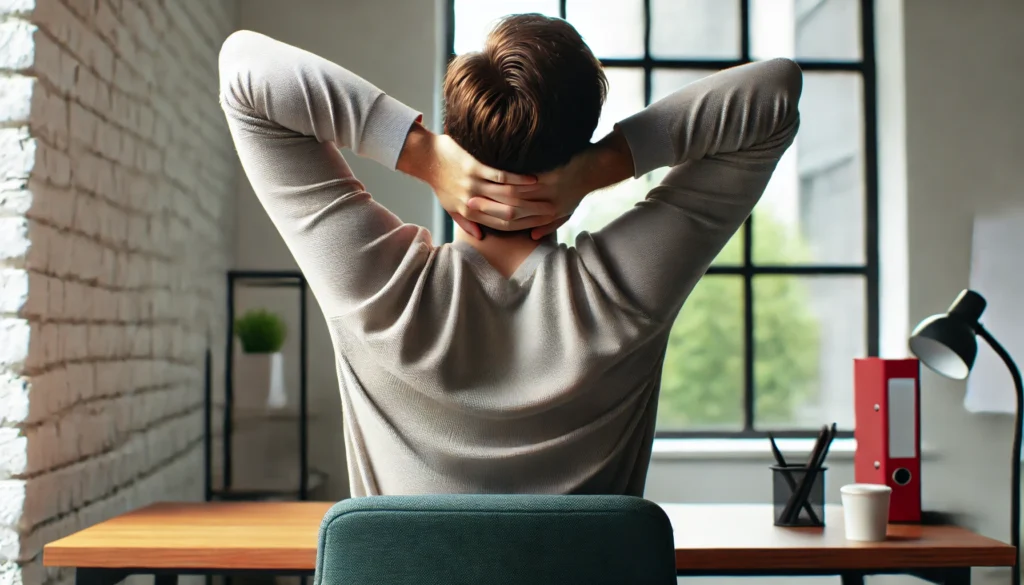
{"x":723,"y":137}
{"x":289,"y":112}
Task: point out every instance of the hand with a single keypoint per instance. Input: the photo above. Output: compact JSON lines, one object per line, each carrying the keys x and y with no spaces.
{"x":560,"y":190}
{"x":460,"y":179}
{"x":601,"y":165}
{"x":456,"y":178}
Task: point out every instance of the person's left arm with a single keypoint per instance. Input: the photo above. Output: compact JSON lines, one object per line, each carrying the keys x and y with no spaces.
{"x":289,"y":112}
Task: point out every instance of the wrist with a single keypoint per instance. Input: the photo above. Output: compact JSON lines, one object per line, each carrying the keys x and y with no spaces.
{"x":417,"y":156}
{"x":612,"y":161}
{"x":617,"y":158}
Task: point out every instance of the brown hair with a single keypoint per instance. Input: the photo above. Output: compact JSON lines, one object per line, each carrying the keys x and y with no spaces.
{"x":530,"y":100}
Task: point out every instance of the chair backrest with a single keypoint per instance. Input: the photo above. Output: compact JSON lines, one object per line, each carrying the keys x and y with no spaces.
{"x":496,"y":540}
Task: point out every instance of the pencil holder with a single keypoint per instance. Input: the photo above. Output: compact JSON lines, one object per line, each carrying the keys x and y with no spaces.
{"x":798,"y":495}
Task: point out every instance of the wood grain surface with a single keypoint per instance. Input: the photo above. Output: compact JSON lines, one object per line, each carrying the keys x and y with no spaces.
{"x":742,"y":536}
{"x":210,"y":535}
{"x":283,"y":536}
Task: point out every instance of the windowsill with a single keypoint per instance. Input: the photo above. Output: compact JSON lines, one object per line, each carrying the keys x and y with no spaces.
{"x":750,"y":449}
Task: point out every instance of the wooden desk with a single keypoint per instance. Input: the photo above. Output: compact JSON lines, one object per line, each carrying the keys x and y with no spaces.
{"x":717,"y":539}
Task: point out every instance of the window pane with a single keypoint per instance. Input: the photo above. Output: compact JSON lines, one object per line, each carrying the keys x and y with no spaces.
{"x":807,"y":331}
{"x":625,"y":97}
{"x":474,"y":19}
{"x":666,"y":81}
{"x":805,"y":29}
{"x":612,"y":28}
{"x":601,"y":207}
{"x":813,"y":209}
{"x":695,"y":29}
{"x":702,"y":380}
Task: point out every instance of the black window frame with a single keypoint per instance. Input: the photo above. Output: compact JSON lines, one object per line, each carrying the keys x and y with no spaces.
{"x":866,"y":67}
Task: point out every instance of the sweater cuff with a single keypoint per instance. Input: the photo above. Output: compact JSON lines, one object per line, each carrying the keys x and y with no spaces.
{"x":650,"y":144}
{"x":386,"y":129}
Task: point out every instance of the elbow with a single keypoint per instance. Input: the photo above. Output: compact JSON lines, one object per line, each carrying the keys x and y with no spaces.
{"x":235,"y":48}
{"x":233,"y":63}
{"x":788,"y":78}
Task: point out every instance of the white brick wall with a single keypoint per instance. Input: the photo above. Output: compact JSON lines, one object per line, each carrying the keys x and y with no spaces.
{"x":116,"y":193}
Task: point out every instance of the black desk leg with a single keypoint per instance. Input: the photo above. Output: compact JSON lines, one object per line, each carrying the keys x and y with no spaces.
{"x":99,"y":576}
{"x":852,"y":578}
{"x":958,"y":576}
{"x":113,"y":577}
{"x":946,"y":576}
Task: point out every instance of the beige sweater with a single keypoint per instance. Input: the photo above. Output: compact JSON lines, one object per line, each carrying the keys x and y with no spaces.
{"x":453,"y":378}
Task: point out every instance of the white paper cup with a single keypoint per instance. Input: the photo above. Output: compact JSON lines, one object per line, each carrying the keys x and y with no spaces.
{"x":865,"y":511}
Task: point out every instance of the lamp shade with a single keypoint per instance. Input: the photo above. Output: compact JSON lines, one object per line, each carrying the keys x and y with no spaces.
{"x":946,"y":343}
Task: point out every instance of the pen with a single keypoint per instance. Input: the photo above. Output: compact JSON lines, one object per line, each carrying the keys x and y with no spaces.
{"x":799,"y":498}
{"x":776,"y":453}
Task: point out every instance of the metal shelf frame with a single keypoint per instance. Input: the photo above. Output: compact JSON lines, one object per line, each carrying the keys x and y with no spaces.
{"x":255,"y":279}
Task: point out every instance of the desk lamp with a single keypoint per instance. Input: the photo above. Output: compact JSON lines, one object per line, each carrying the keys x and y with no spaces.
{"x":946,"y":344}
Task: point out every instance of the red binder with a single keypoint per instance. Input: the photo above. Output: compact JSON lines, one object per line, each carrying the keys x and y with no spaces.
{"x":887,"y":427}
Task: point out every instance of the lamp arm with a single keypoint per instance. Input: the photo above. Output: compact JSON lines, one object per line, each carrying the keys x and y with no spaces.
{"x":1015,"y":480}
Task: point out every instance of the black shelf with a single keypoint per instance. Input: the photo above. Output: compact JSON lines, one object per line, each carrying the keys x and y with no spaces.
{"x":316,"y":479}
{"x":250,"y":495}
{"x":308,"y":479}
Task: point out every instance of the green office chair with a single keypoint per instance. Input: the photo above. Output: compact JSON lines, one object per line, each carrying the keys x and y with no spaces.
{"x":495,"y":540}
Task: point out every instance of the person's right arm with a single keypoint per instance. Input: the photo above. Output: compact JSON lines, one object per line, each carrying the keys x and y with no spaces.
{"x":722,"y":136}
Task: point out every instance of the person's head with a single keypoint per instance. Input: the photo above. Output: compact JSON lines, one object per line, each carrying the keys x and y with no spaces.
{"x":530,"y":100}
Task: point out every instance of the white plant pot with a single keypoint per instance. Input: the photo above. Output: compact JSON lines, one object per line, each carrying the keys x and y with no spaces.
{"x":259,"y":378}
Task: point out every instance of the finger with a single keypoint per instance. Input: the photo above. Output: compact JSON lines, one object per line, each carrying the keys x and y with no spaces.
{"x":504,"y":211}
{"x":507,"y":178}
{"x":539,"y":232}
{"x":508,"y":194}
{"x":492,"y":208}
{"x":468,"y":226}
{"x":507,"y":224}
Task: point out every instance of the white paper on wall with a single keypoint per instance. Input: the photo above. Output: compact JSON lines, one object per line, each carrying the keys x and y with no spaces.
{"x":997,"y":273}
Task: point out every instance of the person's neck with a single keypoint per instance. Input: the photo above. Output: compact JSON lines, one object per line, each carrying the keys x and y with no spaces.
{"x":504,"y":252}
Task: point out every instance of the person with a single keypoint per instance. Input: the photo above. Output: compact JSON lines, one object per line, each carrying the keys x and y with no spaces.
{"x":502,"y":363}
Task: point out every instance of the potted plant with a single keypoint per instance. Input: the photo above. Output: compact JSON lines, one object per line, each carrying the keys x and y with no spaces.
{"x":261,"y":364}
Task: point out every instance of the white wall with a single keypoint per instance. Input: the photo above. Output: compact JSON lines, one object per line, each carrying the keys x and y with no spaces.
{"x":118,"y":181}
{"x":395,"y":44}
{"x":962,"y":129}
{"x":965,"y":144}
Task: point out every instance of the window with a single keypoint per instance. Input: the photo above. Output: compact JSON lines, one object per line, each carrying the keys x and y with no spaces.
{"x":767,"y":339}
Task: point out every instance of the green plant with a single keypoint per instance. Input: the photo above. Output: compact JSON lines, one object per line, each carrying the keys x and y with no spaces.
{"x":260,"y":331}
